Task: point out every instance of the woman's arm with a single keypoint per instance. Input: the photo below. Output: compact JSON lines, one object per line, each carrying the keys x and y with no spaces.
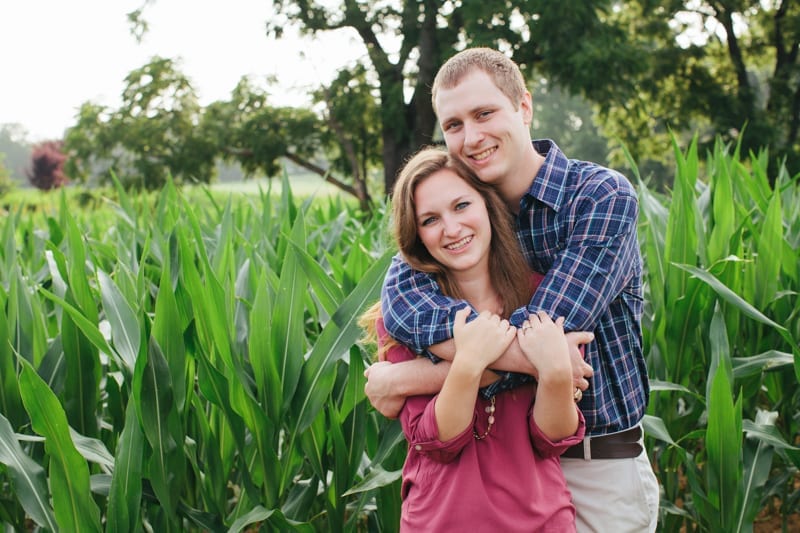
{"x":546,"y":346}
{"x":478,"y":344}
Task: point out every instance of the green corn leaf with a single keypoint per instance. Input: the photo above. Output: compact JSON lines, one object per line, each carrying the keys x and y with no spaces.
{"x":25,"y":314}
{"x":377,"y":477}
{"x":82,"y":378}
{"x":325,"y":288}
{"x":273,"y":517}
{"x":758,"y":455}
{"x":262,"y":355}
{"x":168,"y":333}
{"x":655,"y":427}
{"x":767,"y":432}
{"x":681,"y":238}
{"x":153,"y":394}
{"x":334,"y":342}
{"x":125,"y":493}
{"x":75,"y":510}
{"x":354,"y":389}
{"x":92,"y":450}
{"x":125,"y":329}
{"x":724,"y":447}
{"x":723,"y":207}
{"x":720,"y":349}
{"x":10,"y":400}
{"x":88,"y":328}
{"x":764,"y":362}
{"x":288,"y":335}
{"x":729,"y":296}
{"x":262,"y":472}
{"x":28,"y":478}
{"x":770,"y":247}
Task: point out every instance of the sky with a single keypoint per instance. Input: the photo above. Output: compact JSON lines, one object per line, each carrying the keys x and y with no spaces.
{"x":57,"y":54}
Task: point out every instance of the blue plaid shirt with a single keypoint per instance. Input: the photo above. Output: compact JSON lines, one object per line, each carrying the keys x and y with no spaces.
{"x":577,"y":223}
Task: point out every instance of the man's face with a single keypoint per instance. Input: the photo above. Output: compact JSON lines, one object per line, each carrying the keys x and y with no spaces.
{"x":482,"y":127}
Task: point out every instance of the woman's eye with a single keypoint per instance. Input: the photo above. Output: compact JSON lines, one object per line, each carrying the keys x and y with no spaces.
{"x":461,"y":205}
{"x":428,"y":221}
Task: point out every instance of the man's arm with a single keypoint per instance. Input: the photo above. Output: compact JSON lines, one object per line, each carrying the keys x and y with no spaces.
{"x":389,"y":384}
{"x":599,"y":259}
{"x":514,"y":360}
{"x":415,"y":312}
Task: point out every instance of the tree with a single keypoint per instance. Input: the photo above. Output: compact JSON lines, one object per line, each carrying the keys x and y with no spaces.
{"x":47,"y":166}
{"x":152,"y":135}
{"x":719,"y":68}
{"x":629,"y":58}
{"x":337,"y":143}
{"x":5,"y":176}
{"x":17,"y":150}
{"x":649,"y":68}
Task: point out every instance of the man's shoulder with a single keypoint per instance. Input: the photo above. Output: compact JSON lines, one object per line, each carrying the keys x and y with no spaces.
{"x":598,"y":181}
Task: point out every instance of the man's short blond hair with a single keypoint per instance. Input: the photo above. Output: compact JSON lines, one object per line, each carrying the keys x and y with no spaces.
{"x":503,"y":71}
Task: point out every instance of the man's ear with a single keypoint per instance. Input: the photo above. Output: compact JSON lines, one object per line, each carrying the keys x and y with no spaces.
{"x":526,"y":108}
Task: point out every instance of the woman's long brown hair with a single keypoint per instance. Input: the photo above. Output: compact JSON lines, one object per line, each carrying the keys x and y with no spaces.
{"x":508,"y":271}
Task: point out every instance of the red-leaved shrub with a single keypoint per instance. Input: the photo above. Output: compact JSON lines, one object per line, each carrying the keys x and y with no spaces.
{"x":47,"y":166}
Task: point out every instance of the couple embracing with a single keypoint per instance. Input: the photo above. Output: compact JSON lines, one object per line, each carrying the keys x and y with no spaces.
{"x":512,"y":424}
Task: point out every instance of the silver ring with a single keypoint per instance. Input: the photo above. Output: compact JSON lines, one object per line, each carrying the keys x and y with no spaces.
{"x":578,"y":394}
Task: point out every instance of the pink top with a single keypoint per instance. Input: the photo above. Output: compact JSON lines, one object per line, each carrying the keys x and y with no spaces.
{"x":509,"y":481}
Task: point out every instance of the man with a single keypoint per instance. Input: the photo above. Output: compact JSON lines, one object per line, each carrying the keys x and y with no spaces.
{"x":576,"y":222}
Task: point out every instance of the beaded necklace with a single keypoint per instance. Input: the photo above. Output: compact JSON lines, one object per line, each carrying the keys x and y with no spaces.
{"x":490,"y":410}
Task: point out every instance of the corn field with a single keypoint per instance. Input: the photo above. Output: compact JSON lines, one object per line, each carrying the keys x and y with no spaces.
{"x":185,"y":363}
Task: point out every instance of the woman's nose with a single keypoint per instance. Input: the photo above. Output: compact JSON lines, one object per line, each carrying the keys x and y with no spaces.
{"x":451,"y":226}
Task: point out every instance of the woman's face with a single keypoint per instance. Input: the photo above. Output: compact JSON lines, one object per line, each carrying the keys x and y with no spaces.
{"x":452,"y":222}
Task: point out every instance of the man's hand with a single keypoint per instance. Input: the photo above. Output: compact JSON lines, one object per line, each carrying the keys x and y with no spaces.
{"x":581,"y":370}
{"x":378,"y":390}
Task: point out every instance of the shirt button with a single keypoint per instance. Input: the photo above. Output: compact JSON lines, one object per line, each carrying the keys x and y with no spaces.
{"x":418,"y":447}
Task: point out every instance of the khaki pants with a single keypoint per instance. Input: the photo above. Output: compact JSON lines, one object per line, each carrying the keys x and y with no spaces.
{"x":613,"y":495}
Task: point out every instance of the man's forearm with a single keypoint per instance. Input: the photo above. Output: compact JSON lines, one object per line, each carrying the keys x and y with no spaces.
{"x":512,"y":360}
{"x":420,"y":376}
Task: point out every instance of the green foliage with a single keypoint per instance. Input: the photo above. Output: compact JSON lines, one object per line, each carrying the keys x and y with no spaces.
{"x":17,"y":151}
{"x":184,"y":361}
{"x":153,"y":134}
{"x":183,"y":358}
{"x":721,"y":337}
{"x":5,"y":176}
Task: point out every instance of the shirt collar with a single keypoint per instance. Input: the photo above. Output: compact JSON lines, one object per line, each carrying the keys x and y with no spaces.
{"x":549,"y":184}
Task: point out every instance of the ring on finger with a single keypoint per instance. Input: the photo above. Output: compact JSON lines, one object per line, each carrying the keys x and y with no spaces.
{"x":578,"y":394}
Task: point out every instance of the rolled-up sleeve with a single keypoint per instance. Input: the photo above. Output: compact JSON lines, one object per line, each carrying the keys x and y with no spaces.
{"x":548,"y":448}
{"x":419,"y":424}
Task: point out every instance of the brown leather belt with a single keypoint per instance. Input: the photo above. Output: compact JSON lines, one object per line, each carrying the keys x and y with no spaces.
{"x":622,"y":445}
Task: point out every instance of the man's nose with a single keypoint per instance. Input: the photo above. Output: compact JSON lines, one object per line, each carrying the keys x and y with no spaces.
{"x":472,"y":135}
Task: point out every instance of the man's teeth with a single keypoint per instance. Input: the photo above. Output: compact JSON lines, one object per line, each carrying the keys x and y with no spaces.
{"x":483,"y":155}
{"x":459,"y":244}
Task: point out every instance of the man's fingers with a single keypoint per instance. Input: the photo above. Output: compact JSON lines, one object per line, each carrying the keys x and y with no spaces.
{"x":581,"y":337}
{"x":588,"y":371}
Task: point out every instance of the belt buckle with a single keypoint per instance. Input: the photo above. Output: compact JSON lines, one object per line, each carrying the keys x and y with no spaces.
{"x":587,"y":448}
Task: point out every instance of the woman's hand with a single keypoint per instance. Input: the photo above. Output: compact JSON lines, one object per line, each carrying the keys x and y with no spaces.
{"x":544,"y":344}
{"x":480,"y":342}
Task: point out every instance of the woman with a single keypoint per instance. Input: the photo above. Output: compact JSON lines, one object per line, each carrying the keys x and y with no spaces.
{"x":476,"y":463}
